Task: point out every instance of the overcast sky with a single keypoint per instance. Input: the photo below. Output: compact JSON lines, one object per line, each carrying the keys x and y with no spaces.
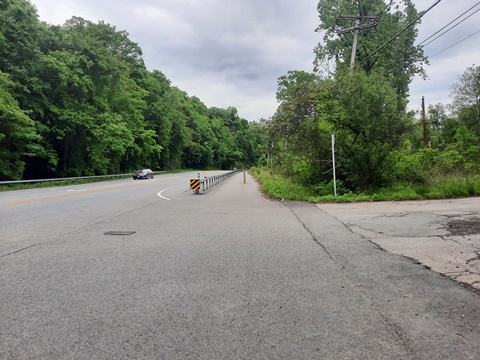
{"x":231,"y":52}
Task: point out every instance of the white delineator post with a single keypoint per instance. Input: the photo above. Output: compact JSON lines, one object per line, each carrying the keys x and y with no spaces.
{"x":333,"y":157}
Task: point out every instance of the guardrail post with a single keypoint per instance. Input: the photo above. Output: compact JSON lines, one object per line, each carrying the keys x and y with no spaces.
{"x":210,"y":181}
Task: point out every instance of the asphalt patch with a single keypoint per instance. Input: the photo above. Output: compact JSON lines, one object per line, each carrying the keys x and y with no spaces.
{"x":464,"y":226}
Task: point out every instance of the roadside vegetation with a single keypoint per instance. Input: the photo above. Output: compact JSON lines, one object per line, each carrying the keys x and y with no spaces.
{"x":440,"y":187}
{"x":383,"y":151}
{"x":77,"y":100}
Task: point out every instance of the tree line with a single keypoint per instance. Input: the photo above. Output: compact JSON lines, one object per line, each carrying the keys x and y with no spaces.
{"x":76,"y":99}
{"x":378,"y":141}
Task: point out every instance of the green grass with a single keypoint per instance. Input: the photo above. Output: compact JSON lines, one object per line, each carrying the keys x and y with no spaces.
{"x":281,"y":188}
{"x":441,"y":187}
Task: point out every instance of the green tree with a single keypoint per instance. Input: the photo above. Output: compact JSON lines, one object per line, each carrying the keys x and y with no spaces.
{"x":441,"y":126}
{"x":224,"y":148}
{"x":17,"y":133}
{"x":297,"y":138}
{"x":399,"y":61}
{"x":95,"y":114}
{"x":371,"y":125}
{"x":179,"y":133}
{"x":78,"y":100}
{"x":466,"y":98}
{"x":21,"y":59}
{"x":158,"y":105}
{"x":20,"y":56}
{"x":199,"y":151}
{"x":239,"y":141}
{"x":364,"y":108}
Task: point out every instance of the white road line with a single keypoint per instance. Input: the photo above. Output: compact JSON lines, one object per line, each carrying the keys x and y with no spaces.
{"x":159,"y":194}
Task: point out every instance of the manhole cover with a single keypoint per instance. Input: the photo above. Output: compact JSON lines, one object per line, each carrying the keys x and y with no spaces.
{"x":119,"y":233}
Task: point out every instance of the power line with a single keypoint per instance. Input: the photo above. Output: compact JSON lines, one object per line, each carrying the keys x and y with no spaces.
{"x":403,"y":30}
{"x":451,"y":27}
{"x":449,"y":23}
{"x":458,"y":42}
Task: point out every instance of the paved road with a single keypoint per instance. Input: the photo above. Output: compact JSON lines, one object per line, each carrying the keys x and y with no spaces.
{"x":223,"y":275}
{"x":444,"y":235}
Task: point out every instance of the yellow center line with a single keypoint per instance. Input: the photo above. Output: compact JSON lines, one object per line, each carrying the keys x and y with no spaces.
{"x":53,"y":197}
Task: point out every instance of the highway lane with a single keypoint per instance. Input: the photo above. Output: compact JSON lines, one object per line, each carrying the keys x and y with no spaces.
{"x":227,"y":274}
{"x":30,"y":217}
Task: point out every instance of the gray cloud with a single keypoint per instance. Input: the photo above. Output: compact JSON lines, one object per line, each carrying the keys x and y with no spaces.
{"x":231,"y":52}
{"x":445,"y":67}
{"x":226,"y":52}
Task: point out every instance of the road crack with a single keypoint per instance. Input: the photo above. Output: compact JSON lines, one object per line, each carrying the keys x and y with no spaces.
{"x":313,"y":235}
{"x":19,"y":250}
{"x":476,"y":258}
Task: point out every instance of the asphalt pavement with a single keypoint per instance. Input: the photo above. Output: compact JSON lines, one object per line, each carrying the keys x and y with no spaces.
{"x":225,"y":274}
{"x":443,"y":235}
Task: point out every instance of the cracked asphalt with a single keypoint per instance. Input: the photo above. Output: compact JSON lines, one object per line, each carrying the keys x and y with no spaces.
{"x":229,"y":275}
{"x":443,"y":235}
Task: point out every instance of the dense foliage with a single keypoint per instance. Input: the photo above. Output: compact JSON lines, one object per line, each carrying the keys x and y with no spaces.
{"x":366,"y":115}
{"x":453,"y":134}
{"x":378,"y":142}
{"x":77,"y":99}
{"x":399,"y":60}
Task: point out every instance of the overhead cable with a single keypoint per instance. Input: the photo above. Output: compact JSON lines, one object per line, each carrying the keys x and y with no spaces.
{"x":458,"y":42}
{"x":451,"y":27}
{"x":403,"y":30}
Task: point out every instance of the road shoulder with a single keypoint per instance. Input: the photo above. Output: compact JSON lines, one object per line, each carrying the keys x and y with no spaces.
{"x":443,"y":235}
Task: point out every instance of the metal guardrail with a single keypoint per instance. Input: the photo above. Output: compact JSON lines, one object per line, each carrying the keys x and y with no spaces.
{"x":208,"y":181}
{"x":68,"y":180}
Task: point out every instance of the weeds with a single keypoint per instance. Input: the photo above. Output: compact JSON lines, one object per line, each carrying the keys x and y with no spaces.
{"x":440,"y":187}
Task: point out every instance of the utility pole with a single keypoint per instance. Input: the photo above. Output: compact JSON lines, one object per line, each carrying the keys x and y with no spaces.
{"x":370,"y":22}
